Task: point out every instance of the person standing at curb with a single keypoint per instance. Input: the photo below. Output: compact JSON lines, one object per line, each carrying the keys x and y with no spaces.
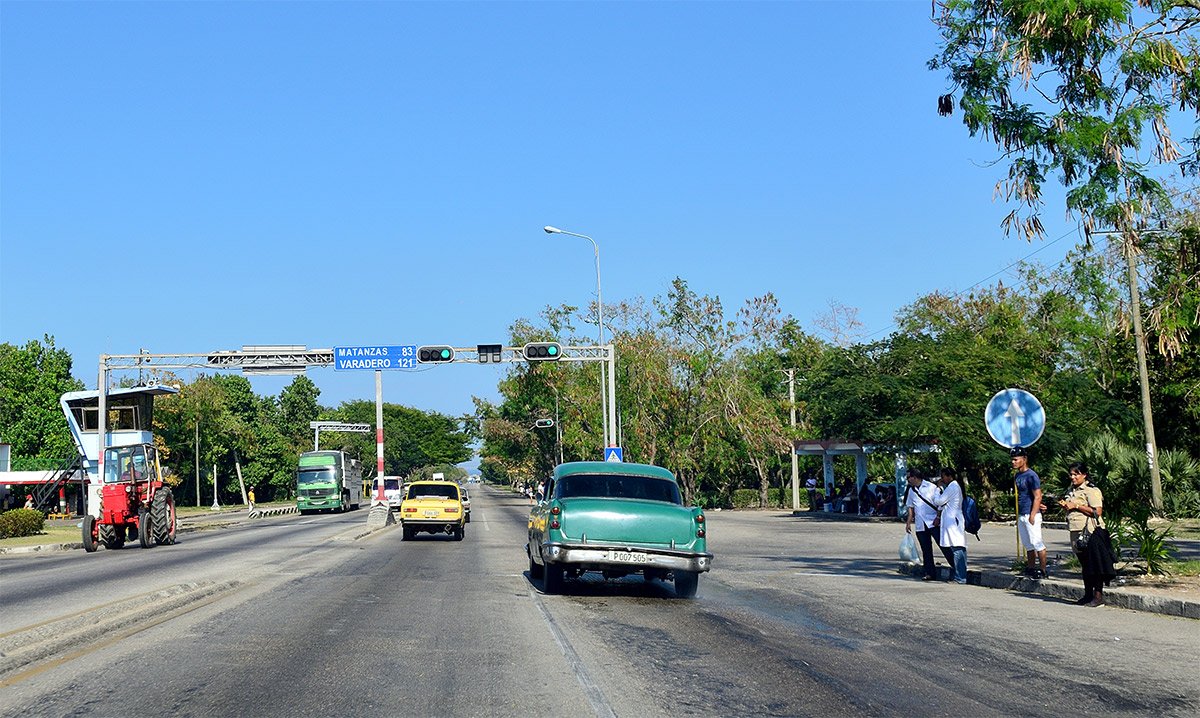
{"x":250,"y":498}
{"x":1029,"y":513}
{"x":919,"y":497}
{"x":1084,"y":505}
{"x":953,"y":537}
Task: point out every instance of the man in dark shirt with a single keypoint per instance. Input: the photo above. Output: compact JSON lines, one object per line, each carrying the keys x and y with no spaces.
{"x":1029,"y":513}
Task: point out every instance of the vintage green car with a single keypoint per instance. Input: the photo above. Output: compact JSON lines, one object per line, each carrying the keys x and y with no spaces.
{"x":617,"y":519}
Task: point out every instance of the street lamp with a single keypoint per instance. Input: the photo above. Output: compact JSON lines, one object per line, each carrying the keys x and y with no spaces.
{"x":599,"y":323}
{"x":1139,"y":339}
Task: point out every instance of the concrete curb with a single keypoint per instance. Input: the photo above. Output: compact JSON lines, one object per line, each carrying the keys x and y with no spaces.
{"x":1120,"y":597}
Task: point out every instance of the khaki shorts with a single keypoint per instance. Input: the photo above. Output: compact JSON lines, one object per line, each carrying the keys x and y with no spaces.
{"x":1031,"y":533}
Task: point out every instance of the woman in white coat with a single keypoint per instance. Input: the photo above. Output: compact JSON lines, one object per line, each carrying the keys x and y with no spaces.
{"x":953,"y":538}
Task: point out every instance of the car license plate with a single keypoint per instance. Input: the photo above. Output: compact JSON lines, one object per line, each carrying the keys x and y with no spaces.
{"x":628,"y":557}
{"x":431,"y":513}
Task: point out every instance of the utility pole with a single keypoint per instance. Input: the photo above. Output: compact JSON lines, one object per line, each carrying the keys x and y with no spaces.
{"x":197,"y":462}
{"x":791,"y":375}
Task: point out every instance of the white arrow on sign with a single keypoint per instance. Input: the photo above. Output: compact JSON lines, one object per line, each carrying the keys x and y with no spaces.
{"x":1014,"y":412}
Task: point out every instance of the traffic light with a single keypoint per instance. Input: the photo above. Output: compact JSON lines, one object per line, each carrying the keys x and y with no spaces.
{"x":543,"y":424}
{"x":435,"y":354}
{"x":489,"y":352}
{"x":542,"y":351}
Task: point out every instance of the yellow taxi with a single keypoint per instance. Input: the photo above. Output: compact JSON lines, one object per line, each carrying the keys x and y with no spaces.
{"x":434,"y":507}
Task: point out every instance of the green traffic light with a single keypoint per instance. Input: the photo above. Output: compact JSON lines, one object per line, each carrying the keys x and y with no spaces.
{"x":552,"y":350}
{"x":445,"y":353}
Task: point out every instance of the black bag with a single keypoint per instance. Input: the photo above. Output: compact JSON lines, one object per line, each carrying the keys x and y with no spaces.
{"x":1084,"y":538}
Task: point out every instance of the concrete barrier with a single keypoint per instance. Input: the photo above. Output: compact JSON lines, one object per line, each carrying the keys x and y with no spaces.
{"x":272,"y":511}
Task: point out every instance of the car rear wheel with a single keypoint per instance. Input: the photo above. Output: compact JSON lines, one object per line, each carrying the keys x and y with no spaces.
{"x":536,"y":570}
{"x":458,"y":533}
{"x":686,"y":583}
{"x":408,"y":534}
{"x":552,"y":578}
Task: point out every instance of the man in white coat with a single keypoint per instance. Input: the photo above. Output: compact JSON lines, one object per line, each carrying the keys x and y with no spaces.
{"x":919,"y":498}
{"x":953,"y":538}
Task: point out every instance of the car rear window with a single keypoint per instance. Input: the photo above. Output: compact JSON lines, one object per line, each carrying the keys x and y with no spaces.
{"x":391,"y":484}
{"x":615,"y":486}
{"x":433,"y":491}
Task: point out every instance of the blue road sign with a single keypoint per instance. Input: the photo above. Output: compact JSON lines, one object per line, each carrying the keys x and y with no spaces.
{"x":1014,"y":417}
{"x":614,"y":454}
{"x":372,"y":358}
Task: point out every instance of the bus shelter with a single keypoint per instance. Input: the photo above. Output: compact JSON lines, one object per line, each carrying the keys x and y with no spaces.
{"x":827,"y":450}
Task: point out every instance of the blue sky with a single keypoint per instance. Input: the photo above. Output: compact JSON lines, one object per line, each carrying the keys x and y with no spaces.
{"x":361,"y":173}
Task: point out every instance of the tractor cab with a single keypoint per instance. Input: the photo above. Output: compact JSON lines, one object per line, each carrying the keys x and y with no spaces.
{"x":131,"y":465}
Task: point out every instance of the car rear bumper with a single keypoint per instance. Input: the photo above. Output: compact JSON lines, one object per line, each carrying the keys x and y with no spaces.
{"x":596,"y":557}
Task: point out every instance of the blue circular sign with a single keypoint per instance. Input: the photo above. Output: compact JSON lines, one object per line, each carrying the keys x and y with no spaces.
{"x":1014,"y":417}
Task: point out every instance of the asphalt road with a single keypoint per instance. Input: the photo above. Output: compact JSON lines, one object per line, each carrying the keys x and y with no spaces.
{"x":291,"y":616}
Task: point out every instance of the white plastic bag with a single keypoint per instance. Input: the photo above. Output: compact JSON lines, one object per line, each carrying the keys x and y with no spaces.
{"x":908,"y":548}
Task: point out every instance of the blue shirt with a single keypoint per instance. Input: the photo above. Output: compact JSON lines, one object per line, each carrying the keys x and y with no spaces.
{"x":1027,"y":483}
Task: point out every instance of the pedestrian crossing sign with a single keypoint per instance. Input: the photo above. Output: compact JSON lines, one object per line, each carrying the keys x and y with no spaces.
{"x":614,"y":454}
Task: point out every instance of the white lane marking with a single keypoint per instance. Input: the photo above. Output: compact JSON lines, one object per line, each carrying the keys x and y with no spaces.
{"x":594,"y":695}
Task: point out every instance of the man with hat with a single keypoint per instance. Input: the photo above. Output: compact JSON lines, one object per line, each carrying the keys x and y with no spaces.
{"x":1029,"y":513}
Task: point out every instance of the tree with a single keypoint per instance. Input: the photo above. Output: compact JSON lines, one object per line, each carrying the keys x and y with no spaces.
{"x":298,"y":406}
{"x":32,"y":378}
{"x":1071,"y":88}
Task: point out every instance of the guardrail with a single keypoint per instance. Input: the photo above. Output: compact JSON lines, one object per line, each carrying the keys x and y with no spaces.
{"x":273,"y":511}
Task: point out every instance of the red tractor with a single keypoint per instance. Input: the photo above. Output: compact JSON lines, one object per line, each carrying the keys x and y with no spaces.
{"x":134,"y":503}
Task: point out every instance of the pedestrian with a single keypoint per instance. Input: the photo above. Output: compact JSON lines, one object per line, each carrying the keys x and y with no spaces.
{"x":810,"y":485}
{"x":953,"y":535}
{"x":1029,"y":513}
{"x":250,"y":498}
{"x":1084,"y":504}
{"x":919,"y":497}
{"x":29,"y":501}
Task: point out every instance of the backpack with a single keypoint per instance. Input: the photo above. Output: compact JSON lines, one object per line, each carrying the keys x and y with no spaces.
{"x":971,"y":521}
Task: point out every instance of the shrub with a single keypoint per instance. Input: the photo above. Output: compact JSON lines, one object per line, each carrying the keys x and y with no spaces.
{"x":776,"y":498}
{"x":21,"y":522}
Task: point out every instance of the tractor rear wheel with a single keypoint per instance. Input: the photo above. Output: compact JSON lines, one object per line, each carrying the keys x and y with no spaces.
{"x":89,"y":535}
{"x":145,"y":538}
{"x":162,"y":517}
{"x":113,"y":537}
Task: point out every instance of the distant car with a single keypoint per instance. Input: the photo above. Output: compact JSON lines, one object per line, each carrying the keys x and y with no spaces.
{"x":617,"y":519}
{"x":466,"y":502}
{"x":432,"y":507}
{"x":392,"y":491}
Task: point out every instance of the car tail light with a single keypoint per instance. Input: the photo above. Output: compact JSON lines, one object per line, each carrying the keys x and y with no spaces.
{"x":699,"y":518}
{"x":554,"y":524}
{"x":699,"y":533}
{"x":452,"y":510}
{"x":555,"y":510}
{"x":410,"y":510}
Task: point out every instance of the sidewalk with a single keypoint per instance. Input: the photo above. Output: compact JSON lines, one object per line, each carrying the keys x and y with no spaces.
{"x":990,"y":561}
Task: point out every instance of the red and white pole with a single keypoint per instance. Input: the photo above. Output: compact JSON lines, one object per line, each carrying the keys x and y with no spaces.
{"x":379,"y":496}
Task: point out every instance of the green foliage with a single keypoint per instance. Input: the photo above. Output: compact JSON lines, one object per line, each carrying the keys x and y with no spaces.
{"x":1072,"y":88}
{"x":21,"y":522}
{"x":776,"y":498}
{"x":32,"y":378}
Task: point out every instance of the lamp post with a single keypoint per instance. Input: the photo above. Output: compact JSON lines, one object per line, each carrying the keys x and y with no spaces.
{"x":599,"y":323}
{"x":557,"y":426}
{"x":1128,"y":248}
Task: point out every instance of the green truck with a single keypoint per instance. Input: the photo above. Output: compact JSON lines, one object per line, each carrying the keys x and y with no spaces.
{"x":328,"y":481}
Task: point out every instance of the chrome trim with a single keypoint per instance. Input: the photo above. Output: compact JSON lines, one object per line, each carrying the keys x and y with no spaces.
{"x":593,"y":557}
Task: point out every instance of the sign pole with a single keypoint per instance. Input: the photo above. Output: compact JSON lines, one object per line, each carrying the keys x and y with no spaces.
{"x":379,"y":495}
